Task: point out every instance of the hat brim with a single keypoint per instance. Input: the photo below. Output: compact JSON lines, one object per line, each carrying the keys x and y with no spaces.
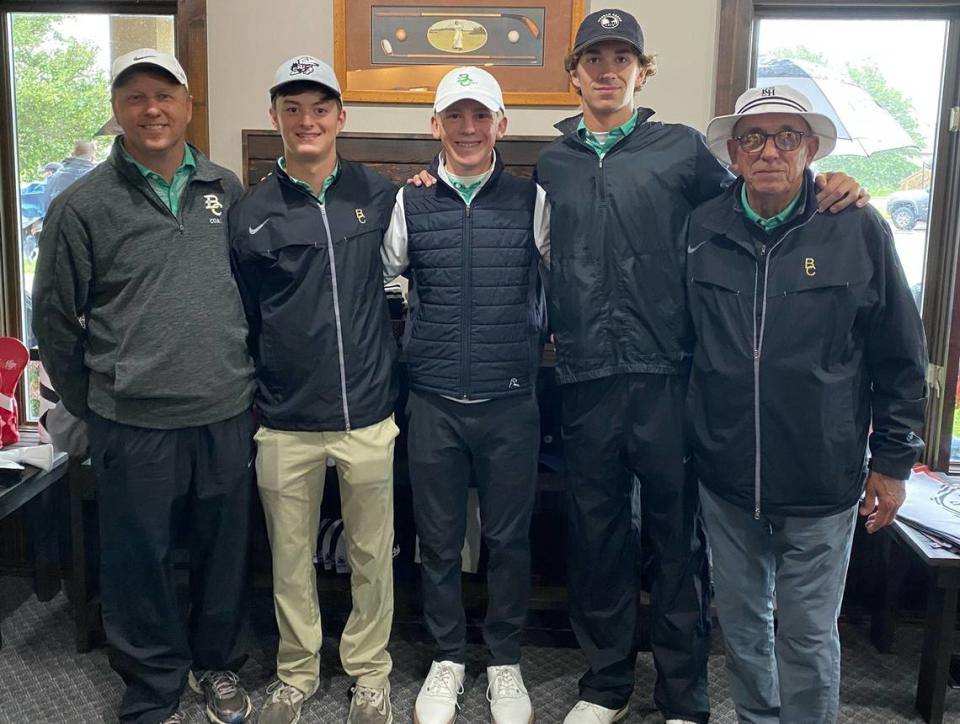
{"x":489,"y":102}
{"x":720,"y":130}
{"x":140,"y":65}
{"x":607,"y":36}
{"x":331,"y":91}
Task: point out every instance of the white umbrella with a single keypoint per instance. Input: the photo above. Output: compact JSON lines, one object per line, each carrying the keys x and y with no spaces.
{"x":863,"y":127}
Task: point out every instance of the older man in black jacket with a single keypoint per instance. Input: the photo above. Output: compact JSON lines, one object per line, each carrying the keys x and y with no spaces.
{"x":806,"y":335}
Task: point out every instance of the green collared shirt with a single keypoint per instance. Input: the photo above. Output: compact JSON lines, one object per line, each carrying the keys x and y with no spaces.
{"x":168,"y":193}
{"x":327,"y":182}
{"x":467,"y":186}
{"x":613,"y":136}
{"x":774,"y":221}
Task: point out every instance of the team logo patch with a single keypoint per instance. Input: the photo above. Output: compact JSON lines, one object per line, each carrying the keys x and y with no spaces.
{"x":360,"y":216}
{"x":609,"y":21}
{"x":810,"y":266}
{"x":769,"y":91}
{"x":213,"y":204}
{"x":464,"y":80}
{"x":303,"y":66}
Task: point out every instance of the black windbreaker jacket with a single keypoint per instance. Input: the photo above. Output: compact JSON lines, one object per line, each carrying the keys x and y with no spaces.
{"x":805,"y":337}
{"x":617,"y":247}
{"x":312,"y":287}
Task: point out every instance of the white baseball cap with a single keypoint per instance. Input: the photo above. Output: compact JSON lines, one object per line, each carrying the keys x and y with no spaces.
{"x":469,"y":82}
{"x":772,"y":99}
{"x":147,"y":56}
{"x":308,"y":68}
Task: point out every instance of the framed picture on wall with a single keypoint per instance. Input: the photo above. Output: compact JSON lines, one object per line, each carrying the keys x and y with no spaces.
{"x":396,"y":51}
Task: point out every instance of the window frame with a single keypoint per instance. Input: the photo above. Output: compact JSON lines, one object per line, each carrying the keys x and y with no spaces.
{"x":736,"y":64}
{"x":190,"y":35}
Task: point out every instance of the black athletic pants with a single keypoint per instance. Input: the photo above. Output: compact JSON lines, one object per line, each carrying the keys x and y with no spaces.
{"x":158,"y":490}
{"x":494,"y":443}
{"x":616,"y":428}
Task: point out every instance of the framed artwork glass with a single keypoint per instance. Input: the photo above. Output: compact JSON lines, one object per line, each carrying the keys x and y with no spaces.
{"x":396,"y":51}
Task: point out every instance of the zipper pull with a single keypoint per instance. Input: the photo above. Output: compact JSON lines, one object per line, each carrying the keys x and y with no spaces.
{"x":756,"y":513}
{"x":763,"y":249}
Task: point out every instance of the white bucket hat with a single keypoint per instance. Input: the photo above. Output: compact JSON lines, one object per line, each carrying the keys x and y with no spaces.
{"x":468,"y":82}
{"x":772,"y":99}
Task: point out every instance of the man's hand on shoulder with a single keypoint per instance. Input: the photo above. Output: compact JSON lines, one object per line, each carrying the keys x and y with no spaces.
{"x":836,"y":191}
{"x":423,"y":178}
{"x":882,"y":499}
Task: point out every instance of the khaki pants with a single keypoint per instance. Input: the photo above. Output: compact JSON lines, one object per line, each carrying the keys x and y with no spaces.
{"x":291,"y":467}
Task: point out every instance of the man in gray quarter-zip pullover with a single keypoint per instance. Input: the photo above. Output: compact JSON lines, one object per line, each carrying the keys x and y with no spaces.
{"x":141,"y":330}
{"x":305,"y":245}
{"x":806,"y":335}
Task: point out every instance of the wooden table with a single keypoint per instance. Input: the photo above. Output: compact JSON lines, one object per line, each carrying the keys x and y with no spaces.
{"x":943,"y":584}
{"x":33,"y":491}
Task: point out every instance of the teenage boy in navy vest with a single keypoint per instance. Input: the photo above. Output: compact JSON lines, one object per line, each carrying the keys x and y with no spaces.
{"x":472,"y":344}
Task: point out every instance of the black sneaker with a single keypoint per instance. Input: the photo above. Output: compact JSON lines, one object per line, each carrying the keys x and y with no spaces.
{"x":227,"y":702}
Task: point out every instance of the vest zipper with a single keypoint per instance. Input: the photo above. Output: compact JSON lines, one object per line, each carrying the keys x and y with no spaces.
{"x":466,"y":275}
{"x":336,"y":315}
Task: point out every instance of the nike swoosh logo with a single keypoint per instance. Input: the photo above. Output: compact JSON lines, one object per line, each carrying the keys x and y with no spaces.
{"x":254,"y":229}
{"x":691,"y":249}
{"x":141,"y":57}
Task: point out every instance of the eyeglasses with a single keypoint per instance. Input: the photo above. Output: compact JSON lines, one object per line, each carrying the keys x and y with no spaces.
{"x":784,"y":140}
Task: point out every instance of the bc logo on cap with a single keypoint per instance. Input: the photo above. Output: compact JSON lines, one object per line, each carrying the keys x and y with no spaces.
{"x":464,"y":79}
{"x":303,"y":66}
{"x":609,"y":21}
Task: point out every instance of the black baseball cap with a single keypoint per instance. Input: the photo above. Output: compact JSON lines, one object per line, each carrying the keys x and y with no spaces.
{"x":611,"y":24}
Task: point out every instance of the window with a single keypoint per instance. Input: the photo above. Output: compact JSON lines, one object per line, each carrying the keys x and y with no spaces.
{"x":862,"y":41}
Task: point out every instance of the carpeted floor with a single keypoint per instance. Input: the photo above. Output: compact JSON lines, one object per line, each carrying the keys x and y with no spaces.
{"x":44,"y":681}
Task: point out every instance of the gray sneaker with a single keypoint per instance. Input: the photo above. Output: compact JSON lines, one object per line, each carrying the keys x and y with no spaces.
{"x":227,"y":702}
{"x":370,"y":706}
{"x":283,"y":704}
{"x":178,"y":717}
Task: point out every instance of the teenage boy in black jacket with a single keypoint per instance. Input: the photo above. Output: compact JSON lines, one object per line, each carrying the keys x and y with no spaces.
{"x":620,"y":189}
{"x":305,"y":245}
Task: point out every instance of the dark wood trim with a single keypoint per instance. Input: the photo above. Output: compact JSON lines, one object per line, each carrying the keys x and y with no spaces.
{"x":134,"y":7}
{"x":942,"y":273}
{"x":191,"y":35}
{"x":734,"y":53}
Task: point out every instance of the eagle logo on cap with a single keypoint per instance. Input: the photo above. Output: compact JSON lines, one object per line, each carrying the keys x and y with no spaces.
{"x":303,"y":66}
{"x":609,"y":21}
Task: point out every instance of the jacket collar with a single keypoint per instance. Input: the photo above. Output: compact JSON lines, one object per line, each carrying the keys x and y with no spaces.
{"x":729,"y":219}
{"x":568,"y":126}
{"x":206,"y":171}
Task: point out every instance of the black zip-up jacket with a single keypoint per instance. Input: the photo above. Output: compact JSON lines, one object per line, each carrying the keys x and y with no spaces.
{"x":312,"y":287}
{"x":617,"y":247}
{"x":805,"y":336}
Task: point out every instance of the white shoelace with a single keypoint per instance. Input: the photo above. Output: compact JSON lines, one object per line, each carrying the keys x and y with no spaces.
{"x":364,"y":695}
{"x":443,"y":684}
{"x":284,"y":693}
{"x":505,"y":685}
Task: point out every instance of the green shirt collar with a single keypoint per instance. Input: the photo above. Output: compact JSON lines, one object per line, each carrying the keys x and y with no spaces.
{"x":774,"y":221}
{"x":327,"y":182}
{"x":466,"y":186}
{"x":168,"y":193}
{"x":189,"y":163}
{"x":624,"y":129}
